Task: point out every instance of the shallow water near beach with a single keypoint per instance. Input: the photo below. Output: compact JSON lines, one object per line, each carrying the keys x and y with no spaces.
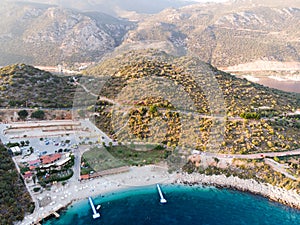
{"x":186,"y":205}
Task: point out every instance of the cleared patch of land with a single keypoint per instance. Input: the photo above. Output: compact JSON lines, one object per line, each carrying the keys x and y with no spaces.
{"x":99,"y":159}
{"x":136,"y":157}
{"x":105,"y":158}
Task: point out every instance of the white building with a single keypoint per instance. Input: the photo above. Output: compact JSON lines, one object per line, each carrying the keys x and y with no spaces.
{"x":15,"y":150}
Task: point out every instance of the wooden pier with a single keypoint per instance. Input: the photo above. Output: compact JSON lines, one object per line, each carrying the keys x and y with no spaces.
{"x":54,"y":213}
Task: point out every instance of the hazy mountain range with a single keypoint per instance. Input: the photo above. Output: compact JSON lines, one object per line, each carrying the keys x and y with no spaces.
{"x":226,"y":34}
{"x":113,"y":6}
{"x":45,"y":34}
{"x":223,"y":34}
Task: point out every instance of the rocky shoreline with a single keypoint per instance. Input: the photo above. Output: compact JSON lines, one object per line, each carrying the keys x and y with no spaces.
{"x":288,"y":197}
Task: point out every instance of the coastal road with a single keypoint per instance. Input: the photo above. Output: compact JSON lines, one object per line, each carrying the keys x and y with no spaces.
{"x":256,"y":155}
{"x":77,"y":161}
{"x":276,"y":166}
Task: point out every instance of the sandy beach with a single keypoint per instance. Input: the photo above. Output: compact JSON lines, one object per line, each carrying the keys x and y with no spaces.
{"x":60,"y":196}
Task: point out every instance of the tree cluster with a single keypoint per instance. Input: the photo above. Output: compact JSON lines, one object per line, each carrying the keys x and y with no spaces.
{"x":15,"y":201}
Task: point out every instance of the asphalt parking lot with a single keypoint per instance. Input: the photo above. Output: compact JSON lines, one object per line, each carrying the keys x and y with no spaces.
{"x":50,"y":143}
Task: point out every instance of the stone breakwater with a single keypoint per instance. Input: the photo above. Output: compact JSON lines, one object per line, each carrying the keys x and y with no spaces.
{"x":287,"y":197}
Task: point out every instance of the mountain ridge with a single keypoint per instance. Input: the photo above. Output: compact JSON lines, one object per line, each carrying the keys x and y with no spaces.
{"x":222,"y":34}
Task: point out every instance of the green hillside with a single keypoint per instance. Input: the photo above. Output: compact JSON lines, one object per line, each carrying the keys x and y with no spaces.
{"x":25,"y":86}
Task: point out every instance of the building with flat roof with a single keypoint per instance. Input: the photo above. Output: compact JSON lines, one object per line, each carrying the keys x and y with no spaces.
{"x":16,"y":150}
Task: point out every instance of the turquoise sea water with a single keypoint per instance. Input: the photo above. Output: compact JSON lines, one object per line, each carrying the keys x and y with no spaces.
{"x":186,"y":205}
